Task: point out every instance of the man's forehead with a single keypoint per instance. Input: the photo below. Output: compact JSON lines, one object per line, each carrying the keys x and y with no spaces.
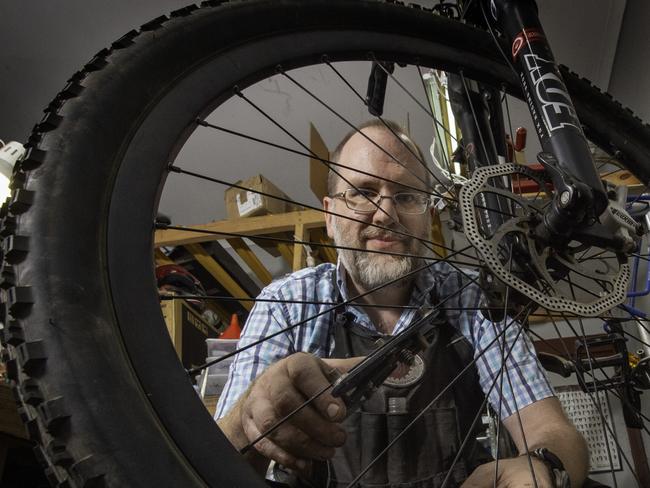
{"x":380,"y":148}
{"x":381,"y":136}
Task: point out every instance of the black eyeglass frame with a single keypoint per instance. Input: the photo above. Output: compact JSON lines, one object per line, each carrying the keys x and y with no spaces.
{"x":342,"y":195}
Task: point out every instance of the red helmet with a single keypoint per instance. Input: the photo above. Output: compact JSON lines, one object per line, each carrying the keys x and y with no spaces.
{"x":173,"y":277}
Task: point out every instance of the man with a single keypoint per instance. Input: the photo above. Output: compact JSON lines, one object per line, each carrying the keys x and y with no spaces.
{"x":387,"y":284}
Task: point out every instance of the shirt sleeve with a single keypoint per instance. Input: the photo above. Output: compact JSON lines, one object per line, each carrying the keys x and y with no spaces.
{"x":523,"y":380}
{"x":264,"y":320}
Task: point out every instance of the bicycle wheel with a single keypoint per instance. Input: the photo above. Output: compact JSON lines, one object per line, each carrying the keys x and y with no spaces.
{"x":101,"y":389}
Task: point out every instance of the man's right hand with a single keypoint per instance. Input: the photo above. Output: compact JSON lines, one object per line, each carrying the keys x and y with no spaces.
{"x":313,"y":433}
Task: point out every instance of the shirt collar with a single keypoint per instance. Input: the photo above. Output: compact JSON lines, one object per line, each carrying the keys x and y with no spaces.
{"x":422,"y":290}
{"x":341,"y":279}
{"x":424,"y":282}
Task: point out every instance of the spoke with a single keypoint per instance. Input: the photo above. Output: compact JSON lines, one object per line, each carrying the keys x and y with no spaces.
{"x":419,"y":104}
{"x":501,"y":373}
{"x":636,"y":338}
{"x":314,"y":302}
{"x":431,"y":403}
{"x":466,"y":8}
{"x":286,"y":329}
{"x":386,"y":125}
{"x":323,"y":390}
{"x":617,"y":170}
{"x":426,"y":242}
{"x":537,"y":195}
{"x":479,"y":413}
{"x":640,"y":256}
{"x":522,"y":430}
{"x":643,"y":192}
{"x":568,"y":356}
{"x":352,"y":126}
{"x":272,"y":429}
{"x":639,"y":324}
{"x":596,"y":405}
{"x":521,"y":426}
{"x":163,"y":226}
{"x":580,"y":260}
{"x":344,"y":80}
{"x":328,"y":162}
{"x":595,"y":381}
{"x":497,"y":43}
{"x":331,"y":168}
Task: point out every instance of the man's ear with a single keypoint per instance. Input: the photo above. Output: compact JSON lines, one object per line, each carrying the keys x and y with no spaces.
{"x":328,"y":204}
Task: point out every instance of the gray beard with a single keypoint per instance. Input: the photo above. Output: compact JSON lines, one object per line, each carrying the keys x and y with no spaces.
{"x":371,"y":270}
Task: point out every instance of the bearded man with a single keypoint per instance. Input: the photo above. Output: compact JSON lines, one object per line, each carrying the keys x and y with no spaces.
{"x":379,"y":215}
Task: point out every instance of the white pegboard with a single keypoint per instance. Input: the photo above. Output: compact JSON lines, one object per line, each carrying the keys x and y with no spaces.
{"x":582,"y":410}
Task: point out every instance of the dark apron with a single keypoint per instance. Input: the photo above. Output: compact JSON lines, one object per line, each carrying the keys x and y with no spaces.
{"x":423,"y":455}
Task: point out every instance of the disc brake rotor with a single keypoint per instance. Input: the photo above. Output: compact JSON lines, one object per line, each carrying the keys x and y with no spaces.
{"x":557,"y":279}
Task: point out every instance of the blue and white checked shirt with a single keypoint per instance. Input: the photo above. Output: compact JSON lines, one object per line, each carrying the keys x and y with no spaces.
{"x":524,"y":383}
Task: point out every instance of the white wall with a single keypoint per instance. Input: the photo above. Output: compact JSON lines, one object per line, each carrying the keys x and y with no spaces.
{"x":630,"y":80}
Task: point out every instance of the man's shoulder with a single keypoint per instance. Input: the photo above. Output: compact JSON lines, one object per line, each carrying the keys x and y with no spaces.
{"x":304,"y":281}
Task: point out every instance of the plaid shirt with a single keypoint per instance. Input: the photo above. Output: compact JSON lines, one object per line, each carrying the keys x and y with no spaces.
{"x":524,"y":383}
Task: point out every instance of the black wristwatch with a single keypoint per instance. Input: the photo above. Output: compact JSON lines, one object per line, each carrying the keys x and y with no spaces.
{"x":559,"y":476}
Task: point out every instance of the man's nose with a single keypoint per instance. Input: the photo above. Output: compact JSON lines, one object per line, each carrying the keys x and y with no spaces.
{"x":386,"y":211}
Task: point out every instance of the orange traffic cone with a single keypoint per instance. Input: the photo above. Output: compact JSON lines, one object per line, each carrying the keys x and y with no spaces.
{"x":233,"y":330}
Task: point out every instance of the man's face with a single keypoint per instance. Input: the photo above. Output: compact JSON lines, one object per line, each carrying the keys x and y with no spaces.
{"x":370,"y":270}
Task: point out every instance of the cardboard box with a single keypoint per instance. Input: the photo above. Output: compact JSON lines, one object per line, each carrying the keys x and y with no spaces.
{"x":246,"y":203}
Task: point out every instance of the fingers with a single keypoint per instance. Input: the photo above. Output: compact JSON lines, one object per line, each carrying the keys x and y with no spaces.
{"x":343,"y":365}
{"x":290,"y":436}
{"x":310,"y":376}
{"x":308,"y":419}
{"x":311,"y":430}
{"x":265,"y":446}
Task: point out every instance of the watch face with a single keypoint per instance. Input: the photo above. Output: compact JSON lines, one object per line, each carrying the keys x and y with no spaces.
{"x":405,"y":375}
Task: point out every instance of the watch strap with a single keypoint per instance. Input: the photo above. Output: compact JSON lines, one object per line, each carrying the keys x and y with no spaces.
{"x":559,"y":476}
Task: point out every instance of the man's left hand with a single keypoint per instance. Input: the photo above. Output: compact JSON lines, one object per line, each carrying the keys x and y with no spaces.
{"x":513,"y":473}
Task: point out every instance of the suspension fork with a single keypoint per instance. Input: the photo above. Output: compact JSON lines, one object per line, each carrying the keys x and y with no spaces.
{"x":483,"y":143}
{"x":552,"y":110}
{"x":478,"y":112}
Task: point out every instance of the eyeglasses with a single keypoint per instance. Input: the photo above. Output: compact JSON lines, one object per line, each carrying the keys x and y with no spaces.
{"x":366,"y":201}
